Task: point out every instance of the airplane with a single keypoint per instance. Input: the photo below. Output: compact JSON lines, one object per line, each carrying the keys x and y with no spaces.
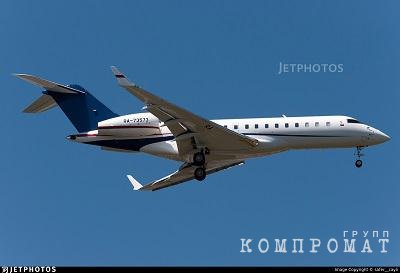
{"x":204,"y":146}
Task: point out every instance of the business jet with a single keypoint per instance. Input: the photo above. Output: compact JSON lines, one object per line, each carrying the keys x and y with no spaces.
{"x":204,"y":146}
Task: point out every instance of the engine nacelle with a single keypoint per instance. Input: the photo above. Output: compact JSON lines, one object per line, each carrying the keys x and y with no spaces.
{"x":134,"y":125}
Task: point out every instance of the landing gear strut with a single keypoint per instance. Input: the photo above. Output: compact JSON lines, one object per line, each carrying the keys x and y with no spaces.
{"x":199,"y":159}
{"x":359,"y":155}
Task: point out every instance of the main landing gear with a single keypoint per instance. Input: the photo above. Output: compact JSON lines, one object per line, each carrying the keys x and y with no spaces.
{"x":200,"y":173}
{"x":359,"y":155}
{"x":199,"y":159}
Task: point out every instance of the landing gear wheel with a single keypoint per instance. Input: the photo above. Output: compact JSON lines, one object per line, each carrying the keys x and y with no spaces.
{"x":200,"y":174}
{"x":199,"y":159}
{"x":359,"y":155}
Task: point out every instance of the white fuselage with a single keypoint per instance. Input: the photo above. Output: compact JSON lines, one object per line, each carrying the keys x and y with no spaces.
{"x":143,"y":132}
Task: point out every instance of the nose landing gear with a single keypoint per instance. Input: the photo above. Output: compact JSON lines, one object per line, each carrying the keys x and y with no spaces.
{"x":359,"y":155}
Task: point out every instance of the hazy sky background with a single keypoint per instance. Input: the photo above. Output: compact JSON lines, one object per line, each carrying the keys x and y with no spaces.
{"x":68,"y":204}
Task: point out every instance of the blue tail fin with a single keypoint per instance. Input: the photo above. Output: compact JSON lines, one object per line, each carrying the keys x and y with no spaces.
{"x":83,"y":109}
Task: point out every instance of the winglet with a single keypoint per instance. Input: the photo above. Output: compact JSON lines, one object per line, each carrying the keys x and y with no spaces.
{"x":121,"y":79}
{"x":136,"y":185}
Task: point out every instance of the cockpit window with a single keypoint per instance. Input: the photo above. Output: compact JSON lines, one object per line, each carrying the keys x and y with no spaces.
{"x":352,"y":121}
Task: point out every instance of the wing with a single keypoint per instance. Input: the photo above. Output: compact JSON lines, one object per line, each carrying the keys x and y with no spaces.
{"x":185,"y":173}
{"x":190,"y":130}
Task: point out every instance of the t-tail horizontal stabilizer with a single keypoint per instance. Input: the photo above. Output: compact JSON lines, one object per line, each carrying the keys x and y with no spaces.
{"x":43,"y":103}
{"x":81,"y":108}
{"x":48,"y":85}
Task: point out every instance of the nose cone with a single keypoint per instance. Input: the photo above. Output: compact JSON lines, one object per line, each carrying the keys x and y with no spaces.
{"x":381,"y":137}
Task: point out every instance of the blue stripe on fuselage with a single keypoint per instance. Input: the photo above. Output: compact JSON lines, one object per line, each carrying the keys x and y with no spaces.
{"x":129,"y":144}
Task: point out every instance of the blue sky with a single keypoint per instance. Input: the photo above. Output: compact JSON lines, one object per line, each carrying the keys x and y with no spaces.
{"x":69,"y":204}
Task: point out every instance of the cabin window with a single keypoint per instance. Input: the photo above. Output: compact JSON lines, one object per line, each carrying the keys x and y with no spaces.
{"x":266,"y":125}
{"x":246,"y":126}
{"x":328,"y":123}
{"x":296,"y":124}
{"x":286,"y":125}
{"x":226,"y":126}
{"x":276,"y":125}
{"x":255,"y":126}
{"x":235,"y":126}
{"x":316,"y":124}
{"x":306,"y":124}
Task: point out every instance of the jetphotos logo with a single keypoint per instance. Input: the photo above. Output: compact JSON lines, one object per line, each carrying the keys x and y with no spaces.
{"x":310,"y":68}
{"x":27,"y":269}
{"x":353,"y":241}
